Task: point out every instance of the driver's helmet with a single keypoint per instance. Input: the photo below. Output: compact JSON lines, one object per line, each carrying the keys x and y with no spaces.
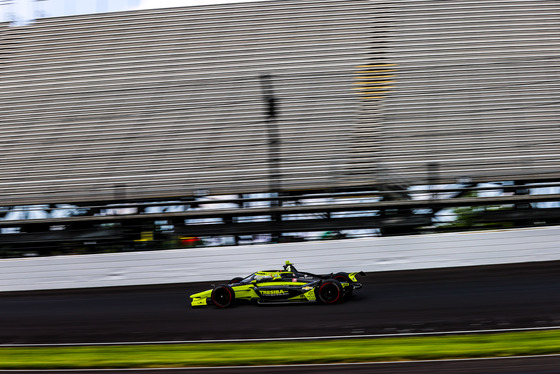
{"x":289,"y":266}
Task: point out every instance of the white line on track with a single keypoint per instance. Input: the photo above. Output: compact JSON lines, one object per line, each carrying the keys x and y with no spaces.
{"x":303,"y":338}
{"x":248,"y":367}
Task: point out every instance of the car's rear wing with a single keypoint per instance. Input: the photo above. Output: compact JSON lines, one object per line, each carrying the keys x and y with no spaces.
{"x":352,"y":276}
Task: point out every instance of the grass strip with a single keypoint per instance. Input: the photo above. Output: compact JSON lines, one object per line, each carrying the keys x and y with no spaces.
{"x":276,"y":353}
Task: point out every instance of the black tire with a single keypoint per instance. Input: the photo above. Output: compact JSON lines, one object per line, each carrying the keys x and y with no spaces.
{"x":329,"y":292}
{"x":235,"y":280}
{"x":223,"y":296}
{"x":344,"y":278}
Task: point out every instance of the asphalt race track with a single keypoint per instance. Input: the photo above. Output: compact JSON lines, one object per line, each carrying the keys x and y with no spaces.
{"x":490,"y":297}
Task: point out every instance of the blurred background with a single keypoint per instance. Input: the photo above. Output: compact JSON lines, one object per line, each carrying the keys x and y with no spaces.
{"x":130,"y":126}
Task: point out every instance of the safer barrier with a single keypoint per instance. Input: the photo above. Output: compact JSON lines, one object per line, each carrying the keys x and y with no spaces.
{"x":218,"y":263}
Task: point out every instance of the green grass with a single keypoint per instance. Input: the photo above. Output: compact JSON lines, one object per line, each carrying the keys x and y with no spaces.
{"x":274,"y":353}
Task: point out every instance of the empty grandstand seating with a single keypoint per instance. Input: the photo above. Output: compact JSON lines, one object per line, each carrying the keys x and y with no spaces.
{"x":166,"y":102}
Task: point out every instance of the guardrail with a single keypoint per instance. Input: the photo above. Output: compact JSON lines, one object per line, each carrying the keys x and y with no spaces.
{"x":219,"y":263}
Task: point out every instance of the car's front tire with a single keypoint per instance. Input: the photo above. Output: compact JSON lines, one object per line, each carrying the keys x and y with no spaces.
{"x":329,"y":292}
{"x":222,"y":296}
{"x":235,"y":280}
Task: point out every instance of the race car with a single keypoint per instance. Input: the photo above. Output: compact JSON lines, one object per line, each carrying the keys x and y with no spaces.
{"x":280,"y":287}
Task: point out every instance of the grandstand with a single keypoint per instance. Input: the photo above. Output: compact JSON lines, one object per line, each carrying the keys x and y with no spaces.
{"x":167,"y":102}
{"x":476,"y":89}
{"x":371,"y":95}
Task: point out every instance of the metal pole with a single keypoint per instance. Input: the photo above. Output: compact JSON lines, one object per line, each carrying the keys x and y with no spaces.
{"x":275,"y":177}
{"x":273,"y":136}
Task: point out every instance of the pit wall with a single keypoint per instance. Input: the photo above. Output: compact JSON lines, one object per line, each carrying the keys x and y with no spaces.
{"x":223,"y":263}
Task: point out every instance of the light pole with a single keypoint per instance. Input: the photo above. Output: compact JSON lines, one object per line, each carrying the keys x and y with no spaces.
{"x":275,"y":177}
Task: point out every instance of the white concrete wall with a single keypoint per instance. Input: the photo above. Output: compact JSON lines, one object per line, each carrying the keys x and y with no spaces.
{"x":214,"y":264}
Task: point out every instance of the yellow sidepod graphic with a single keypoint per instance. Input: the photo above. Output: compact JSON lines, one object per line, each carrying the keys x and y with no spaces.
{"x":245,"y":292}
{"x":310,"y":295}
{"x":275,"y":292}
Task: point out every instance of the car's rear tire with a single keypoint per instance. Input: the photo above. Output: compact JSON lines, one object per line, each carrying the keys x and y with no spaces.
{"x":344,"y":278}
{"x":329,"y":292}
{"x":222,"y":296}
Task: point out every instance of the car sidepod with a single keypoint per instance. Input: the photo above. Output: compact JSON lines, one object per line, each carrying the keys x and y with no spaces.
{"x":285,"y":292}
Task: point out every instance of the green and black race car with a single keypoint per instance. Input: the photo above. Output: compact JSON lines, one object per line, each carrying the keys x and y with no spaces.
{"x":281,"y":286}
